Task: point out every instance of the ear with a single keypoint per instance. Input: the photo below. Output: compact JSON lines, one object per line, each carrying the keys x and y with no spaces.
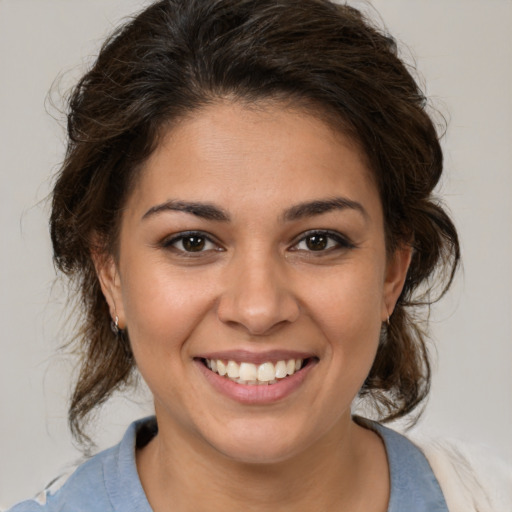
{"x":108,"y":276}
{"x":396,"y":272}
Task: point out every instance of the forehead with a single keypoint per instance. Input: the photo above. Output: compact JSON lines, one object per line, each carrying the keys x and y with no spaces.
{"x":263,"y":154}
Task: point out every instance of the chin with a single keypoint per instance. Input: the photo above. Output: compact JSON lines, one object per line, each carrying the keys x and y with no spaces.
{"x":252,"y":453}
{"x":260,"y":444}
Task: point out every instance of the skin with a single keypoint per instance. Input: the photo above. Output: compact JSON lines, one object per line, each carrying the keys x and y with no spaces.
{"x":256,"y":286}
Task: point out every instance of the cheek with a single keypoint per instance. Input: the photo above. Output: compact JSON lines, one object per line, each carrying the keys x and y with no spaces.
{"x":350,"y":299}
{"x":348,"y":309}
{"x":162,"y":308}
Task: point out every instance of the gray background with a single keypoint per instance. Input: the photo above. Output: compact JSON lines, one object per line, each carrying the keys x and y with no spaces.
{"x":464,"y":50}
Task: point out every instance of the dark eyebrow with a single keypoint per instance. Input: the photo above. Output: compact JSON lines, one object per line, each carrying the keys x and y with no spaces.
{"x":206,"y":211}
{"x":319,"y":206}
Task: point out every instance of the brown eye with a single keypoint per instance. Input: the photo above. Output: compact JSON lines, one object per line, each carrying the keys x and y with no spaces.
{"x":193,"y":243}
{"x":317,"y":242}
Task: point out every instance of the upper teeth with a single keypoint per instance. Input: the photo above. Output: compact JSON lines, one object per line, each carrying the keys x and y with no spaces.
{"x":249,"y":373}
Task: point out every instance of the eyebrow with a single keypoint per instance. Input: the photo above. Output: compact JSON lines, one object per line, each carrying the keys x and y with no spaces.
{"x":209,"y":211}
{"x":320,"y":206}
{"x":206,"y":211}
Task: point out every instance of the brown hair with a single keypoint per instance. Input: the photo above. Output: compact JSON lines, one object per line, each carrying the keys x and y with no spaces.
{"x":177,"y":56}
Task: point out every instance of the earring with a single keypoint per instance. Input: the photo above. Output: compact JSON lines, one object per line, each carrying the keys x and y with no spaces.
{"x":114,"y":325}
{"x":387,"y":321}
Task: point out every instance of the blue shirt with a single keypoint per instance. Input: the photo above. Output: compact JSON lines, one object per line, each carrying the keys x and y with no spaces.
{"x":109,"y":482}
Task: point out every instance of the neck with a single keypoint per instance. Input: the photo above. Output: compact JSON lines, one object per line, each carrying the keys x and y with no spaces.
{"x":344,"y":470}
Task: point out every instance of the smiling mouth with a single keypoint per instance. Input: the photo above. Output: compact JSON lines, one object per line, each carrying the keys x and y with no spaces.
{"x":251,"y":374}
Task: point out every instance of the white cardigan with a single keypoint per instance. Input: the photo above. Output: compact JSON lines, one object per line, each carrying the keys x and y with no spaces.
{"x":472,"y":479}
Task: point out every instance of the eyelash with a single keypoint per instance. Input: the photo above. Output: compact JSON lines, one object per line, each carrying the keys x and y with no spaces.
{"x":333,"y":239}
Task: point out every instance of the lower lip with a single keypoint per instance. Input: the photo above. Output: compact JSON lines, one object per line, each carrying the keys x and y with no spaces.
{"x":256,"y":394}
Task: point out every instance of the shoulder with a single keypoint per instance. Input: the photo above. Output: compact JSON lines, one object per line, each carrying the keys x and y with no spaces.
{"x":471,"y":477}
{"x":107,"y":482}
{"x":80,"y":490}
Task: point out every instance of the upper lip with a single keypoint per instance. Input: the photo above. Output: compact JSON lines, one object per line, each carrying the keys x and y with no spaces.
{"x":247,"y":356}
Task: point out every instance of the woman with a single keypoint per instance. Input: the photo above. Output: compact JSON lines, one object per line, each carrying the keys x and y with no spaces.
{"x":246,"y":207}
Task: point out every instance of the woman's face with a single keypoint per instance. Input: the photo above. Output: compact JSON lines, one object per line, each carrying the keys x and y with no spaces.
{"x":254,"y":243}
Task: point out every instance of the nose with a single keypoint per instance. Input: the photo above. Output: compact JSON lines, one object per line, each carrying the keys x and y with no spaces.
{"x":257,"y":296}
